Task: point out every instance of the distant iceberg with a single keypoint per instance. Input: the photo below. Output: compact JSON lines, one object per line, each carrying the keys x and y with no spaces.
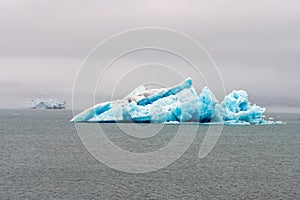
{"x":177,"y":104}
{"x":46,"y":104}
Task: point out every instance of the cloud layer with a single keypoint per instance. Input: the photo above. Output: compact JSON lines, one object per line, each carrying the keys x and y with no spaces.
{"x":256,"y":44}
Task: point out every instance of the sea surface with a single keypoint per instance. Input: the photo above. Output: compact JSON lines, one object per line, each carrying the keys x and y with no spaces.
{"x":42,"y":157}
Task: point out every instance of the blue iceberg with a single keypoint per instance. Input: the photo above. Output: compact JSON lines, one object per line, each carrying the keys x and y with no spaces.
{"x":177,"y":104}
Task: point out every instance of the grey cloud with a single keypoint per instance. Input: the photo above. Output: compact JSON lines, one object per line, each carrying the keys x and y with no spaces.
{"x":256,"y":44}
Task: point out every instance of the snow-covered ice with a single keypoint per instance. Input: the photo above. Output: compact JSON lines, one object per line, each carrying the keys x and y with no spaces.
{"x":46,"y":104}
{"x":177,"y":104}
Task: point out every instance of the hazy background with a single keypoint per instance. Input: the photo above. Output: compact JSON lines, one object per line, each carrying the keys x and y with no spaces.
{"x":256,"y":44}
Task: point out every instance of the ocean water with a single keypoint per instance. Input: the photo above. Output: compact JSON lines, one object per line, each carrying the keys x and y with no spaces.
{"x":42,"y":157}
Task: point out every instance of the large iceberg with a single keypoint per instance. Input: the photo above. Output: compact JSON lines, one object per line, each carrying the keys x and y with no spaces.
{"x":174,"y":105}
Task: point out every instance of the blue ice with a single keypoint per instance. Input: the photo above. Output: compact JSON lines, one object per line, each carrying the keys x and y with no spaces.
{"x":177,"y":104}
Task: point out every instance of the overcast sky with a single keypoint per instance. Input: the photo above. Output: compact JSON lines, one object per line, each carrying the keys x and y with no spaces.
{"x":256,"y":44}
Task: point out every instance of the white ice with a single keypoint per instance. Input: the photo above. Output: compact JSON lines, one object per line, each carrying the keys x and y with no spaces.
{"x":46,"y":104}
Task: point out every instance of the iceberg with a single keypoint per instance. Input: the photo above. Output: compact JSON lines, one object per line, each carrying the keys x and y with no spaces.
{"x":46,"y":104}
{"x":175,"y":105}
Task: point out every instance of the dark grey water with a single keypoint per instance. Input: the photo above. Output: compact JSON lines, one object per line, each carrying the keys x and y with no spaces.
{"x":42,"y":157}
